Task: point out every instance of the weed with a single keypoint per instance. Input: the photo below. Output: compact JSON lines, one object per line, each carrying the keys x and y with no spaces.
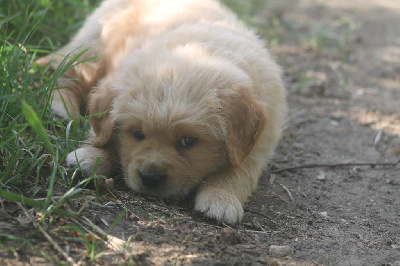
{"x":33,"y":143}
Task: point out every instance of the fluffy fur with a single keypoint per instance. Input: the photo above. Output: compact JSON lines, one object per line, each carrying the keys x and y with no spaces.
{"x":187,"y":99}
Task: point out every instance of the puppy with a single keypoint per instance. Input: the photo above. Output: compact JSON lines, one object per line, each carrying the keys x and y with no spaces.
{"x":182,"y":94}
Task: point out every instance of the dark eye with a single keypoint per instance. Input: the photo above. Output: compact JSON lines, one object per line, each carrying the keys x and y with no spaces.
{"x":187,"y":141}
{"x":139,"y":135}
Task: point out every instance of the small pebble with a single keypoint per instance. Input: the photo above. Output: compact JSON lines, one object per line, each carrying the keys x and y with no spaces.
{"x":280,"y":251}
{"x":324,"y":214}
{"x":321,"y":177}
{"x":299,"y":246}
{"x":394,"y":263}
{"x":159,"y":229}
{"x":138,"y":237}
{"x":229,"y":236}
{"x":328,"y":247}
{"x":192,"y":249}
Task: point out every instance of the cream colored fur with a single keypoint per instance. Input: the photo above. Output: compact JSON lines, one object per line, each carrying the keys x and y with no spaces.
{"x":172,"y":69}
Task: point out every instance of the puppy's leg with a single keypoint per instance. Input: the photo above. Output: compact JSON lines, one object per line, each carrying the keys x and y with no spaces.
{"x":106,"y":34}
{"x":93,"y":161}
{"x":76,"y":82}
{"x":221,"y":197}
{"x":219,"y":203}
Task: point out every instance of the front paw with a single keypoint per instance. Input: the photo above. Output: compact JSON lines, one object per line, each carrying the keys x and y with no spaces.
{"x":91,"y":161}
{"x":64,"y":108}
{"x":219,"y":204}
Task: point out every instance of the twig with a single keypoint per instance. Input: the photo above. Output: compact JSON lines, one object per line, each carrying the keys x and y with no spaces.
{"x":272,"y":179}
{"x":88,"y":231}
{"x":332,"y":165}
{"x":113,"y":242}
{"x":257,"y":232}
{"x":288,"y":192}
{"x":48,"y":237}
{"x":85,"y":203}
{"x":53,"y":198}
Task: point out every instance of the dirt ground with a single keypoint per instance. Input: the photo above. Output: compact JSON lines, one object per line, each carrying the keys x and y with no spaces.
{"x":339,"y":205}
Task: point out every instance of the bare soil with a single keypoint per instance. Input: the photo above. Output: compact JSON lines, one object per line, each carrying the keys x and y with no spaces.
{"x":340,"y":205}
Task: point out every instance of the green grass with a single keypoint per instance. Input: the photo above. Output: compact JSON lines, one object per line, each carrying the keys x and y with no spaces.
{"x":30,"y":136}
{"x":33,"y":143}
{"x":261,"y":16}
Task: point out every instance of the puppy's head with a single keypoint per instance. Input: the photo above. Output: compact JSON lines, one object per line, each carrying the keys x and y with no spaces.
{"x":180,"y":121}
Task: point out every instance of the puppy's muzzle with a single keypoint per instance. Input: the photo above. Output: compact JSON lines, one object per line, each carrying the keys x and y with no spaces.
{"x":152,"y":179}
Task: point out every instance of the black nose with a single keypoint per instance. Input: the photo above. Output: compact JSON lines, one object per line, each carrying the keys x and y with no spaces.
{"x":152,"y":179}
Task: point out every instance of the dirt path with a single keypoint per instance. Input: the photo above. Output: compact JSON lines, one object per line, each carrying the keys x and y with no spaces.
{"x":375,"y":63}
{"x":345,"y":215}
{"x":344,"y":83}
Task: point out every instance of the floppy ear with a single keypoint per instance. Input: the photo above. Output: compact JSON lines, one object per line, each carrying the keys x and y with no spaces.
{"x":245,"y":119}
{"x":100,"y":103}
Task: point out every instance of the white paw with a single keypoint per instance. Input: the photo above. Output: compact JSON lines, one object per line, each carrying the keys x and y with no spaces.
{"x":219,"y":204}
{"x":58,"y":110}
{"x":91,"y":160}
{"x":64,"y":106}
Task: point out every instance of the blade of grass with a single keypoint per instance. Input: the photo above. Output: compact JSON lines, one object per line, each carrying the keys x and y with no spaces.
{"x":36,"y":124}
{"x":50,"y":187}
{"x":31,"y":202}
{"x":15,"y":238}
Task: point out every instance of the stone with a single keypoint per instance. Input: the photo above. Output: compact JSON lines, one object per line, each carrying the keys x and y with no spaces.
{"x":280,"y":251}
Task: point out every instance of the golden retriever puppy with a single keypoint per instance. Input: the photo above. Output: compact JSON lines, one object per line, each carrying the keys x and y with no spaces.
{"x":180,"y":94}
